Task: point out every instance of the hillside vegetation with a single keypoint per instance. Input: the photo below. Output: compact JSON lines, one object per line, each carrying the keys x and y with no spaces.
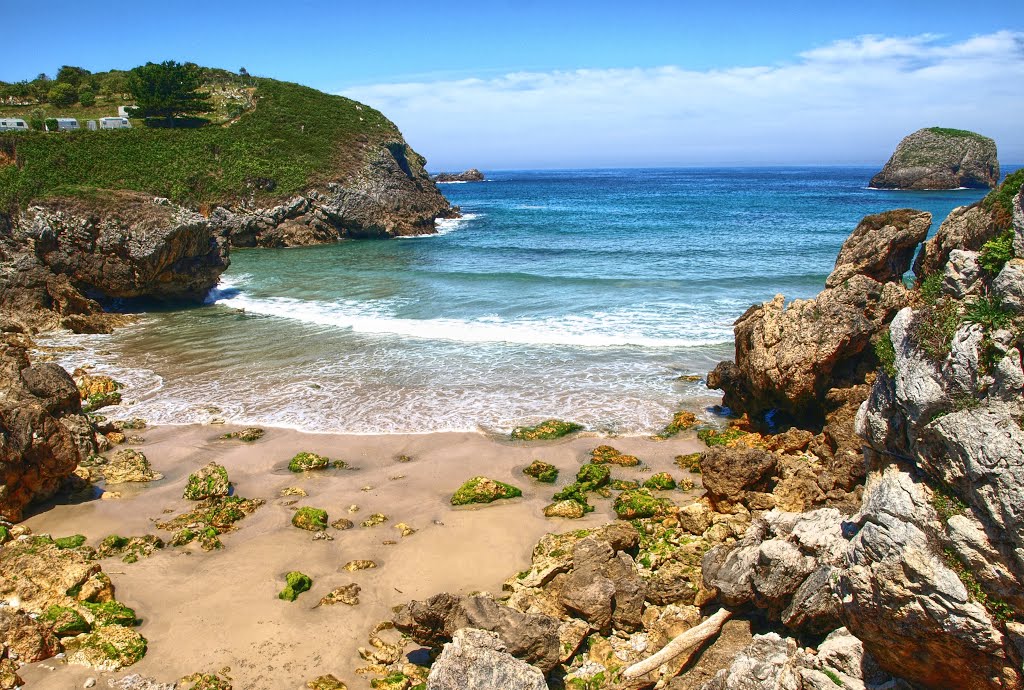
{"x":283,"y":138}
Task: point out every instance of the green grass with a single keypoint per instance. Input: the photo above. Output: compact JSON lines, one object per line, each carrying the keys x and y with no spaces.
{"x":996,"y":252}
{"x":886,"y":353}
{"x":950,"y":132}
{"x":987,"y":312}
{"x":295,"y":137}
{"x":934,"y":326}
{"x":931,"y":288}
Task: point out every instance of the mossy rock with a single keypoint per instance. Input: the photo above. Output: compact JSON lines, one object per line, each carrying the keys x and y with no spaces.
{"x":327,"y":682}
{"x":305,"y":462}
{"x":312,"y":519}
{"x":65,"y":621}
{"x":689,"y":462}
{"x":639,"y":503}
{"x":110,"y":613}
{"x":593,"y":476}
{"x":207,"y":681}
{"x":106,"y":648}
{"x":575,"y":492}
{"x":112,"y":544}
{"x":546,"y":430}
{"x":681,"y":421}
{"x":72,"y":542}
{"x":727,"y":437}
{"x":392,"y":681}
{"x":662,"y":481}
{"x":606,"y":455}
{"x":623,"y":484}
{"x":208,"y":482}
{"x":483,"y":490}
{"x":295,"y":584}
{"x":5,"y":534}
{"x":253,"y":433}
{"x":542,"y":472}
{"x":569,"y":508}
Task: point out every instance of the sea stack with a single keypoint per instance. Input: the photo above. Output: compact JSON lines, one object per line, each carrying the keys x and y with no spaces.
{"x":941,"y":158}
{"x":471,"y":175}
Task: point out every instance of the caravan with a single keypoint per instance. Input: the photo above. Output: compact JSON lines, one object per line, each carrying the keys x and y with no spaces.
{"x":66,"y":124}
{"x":13,"y":125}
{"x":115,"y":123}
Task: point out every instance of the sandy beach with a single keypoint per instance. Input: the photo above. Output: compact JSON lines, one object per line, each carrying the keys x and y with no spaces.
{"x":202,"y":611}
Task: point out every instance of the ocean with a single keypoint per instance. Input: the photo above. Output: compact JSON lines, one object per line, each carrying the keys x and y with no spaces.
{"x":590,"y":295}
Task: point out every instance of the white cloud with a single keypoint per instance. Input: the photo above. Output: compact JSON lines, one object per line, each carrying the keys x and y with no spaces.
{"x":847,"y":102}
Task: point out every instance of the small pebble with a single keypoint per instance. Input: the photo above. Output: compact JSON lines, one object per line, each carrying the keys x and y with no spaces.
{"x":89,"y":683}
{"x":353,"y":508}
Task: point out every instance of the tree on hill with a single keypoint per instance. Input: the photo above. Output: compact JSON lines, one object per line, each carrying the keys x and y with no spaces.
{"x":167,"y":90}
{"x":68,"y":74}
{"x":62,"y":95}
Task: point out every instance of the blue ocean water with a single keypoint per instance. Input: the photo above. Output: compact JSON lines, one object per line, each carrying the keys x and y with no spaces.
{"x":586,"y":294}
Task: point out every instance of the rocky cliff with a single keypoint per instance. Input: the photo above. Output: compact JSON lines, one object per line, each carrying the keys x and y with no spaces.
{"x":940,"y":158}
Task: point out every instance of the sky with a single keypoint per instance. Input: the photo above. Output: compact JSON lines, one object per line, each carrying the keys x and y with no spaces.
{"x":504,"y":84}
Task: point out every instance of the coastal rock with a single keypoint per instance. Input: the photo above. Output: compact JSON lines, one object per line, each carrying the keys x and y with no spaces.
{"x":478,"y":660}
{"x":39,"y":452}
{"x":21,"y":634}
{"x":966,"y":228}
{"x":471,"y":175}
{"x":129,"y":465}
{"x":788,"y":357}
{"x":728,"y":474}
{"x":940,"y":158}
{"x":210,"y":481}
{"x":107,"y":648}
{"x":388,"y":194}
{"x":1009,"y":286}
{"x":34,"y":298}
{"x":534,"y":638}
{"x":123,"y":245}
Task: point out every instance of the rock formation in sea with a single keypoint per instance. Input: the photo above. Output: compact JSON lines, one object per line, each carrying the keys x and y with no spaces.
{"x":940,"y":158}
{"x":471,"y":175}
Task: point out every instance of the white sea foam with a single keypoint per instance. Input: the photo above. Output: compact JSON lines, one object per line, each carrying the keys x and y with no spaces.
{"x":599,"y":329}
{"x":445,"y":226}
{"x":451,"y":181}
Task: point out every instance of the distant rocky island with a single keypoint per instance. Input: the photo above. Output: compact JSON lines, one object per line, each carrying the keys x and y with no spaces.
{"x":941,"y":158}
{"x":471,"y":175}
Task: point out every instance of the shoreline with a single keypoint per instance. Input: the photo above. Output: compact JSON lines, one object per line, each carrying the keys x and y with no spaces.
{"x":202,"y":611}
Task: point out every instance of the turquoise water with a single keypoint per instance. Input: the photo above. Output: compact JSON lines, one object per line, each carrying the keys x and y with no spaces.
{"x":583,"y":295}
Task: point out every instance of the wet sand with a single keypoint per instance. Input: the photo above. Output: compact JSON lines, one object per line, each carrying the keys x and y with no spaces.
{"x":202,"y":611}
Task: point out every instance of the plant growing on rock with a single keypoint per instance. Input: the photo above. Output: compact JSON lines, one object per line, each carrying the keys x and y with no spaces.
{"x":662,"y":481}
{"x":996,"y":252}
{"x":934,"y":326}
{"x":886,"y":353}
{"x":311,"y":519}
{"x":483,"y":490}
{"x":295,"y":584}
{"x":542,"y":472}
{"x":546,"y":430}
{"x":304,"y":462}
{"x":72,"y":542}
{"x":209,"y":482}
{"x":639,"y":503}
{"x":987,"y":311}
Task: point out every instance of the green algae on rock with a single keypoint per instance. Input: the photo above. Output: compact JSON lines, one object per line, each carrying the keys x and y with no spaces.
{"x":639,"y":503}
{"x":106,"y":648}
{"x":72,"y":542}
{"x":131,"y":549}
{"x":110,"y":613}
{"x":568,"y":508}
{"x":662,"y":481}
{"x":606,"y":455}
{"x":542,"y":472}
{"x":312,"y":519}
{"x":483,"y":490}
{"x":250,"y":434}
{"x":593,"y":476}
{"x":546,"y":430}
{"x":209,"y":519}
{"x":689,"y":462}
{"x":210,"y":481}
{"x":295,"y":584}
{"x":681,"y":421}
{"x":208,"y":681}
{"x":304,"y":462}
{"x":327,"y":682}
{"x":65,"y":621}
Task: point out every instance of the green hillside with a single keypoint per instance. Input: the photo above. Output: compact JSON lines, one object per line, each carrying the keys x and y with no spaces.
{"x":289,"y":138}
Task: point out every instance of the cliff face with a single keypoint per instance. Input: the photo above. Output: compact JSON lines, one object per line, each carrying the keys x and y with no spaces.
{"x":940,"y":158}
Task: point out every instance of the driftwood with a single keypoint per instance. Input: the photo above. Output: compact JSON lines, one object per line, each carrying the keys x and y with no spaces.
{"x":691,"y":638}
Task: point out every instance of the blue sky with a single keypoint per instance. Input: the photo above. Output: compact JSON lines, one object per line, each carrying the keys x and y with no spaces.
{"x":531,"y":83}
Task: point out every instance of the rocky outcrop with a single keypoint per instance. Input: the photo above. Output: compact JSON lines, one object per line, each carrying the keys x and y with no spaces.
{"x":38,"y":453}
{"x":940,"y":158}
{"x":966,"y":228}
{"x":478,"y":660}
{"x":471,"y":175}
{"x":788,"y":357}
{"x":390,"y":195}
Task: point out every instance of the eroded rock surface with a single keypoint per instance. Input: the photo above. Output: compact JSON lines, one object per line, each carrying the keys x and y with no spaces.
{"x":939,"y":158}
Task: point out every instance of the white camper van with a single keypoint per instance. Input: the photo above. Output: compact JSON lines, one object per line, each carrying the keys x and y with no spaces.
{"x":115,"y":123}
{"x":13,"y":125}
{"x":66,"y":124}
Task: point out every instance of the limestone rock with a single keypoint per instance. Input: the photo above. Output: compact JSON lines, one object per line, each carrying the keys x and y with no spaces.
{"x":534,"y":638}
{"x":1009,"y":286}
{"x":124,"y":245}
{"x":966,"y":228}
{"x":21,"y":634}
{"x":881,"y":247}
{"x":107,"y":648}
{"x":210,"y":481}
{"x":471,"y":175}
{"x":129,"y":465}
{"x":939,"y":158}
{"x":478,"y":660}
{"x":729,"y":473}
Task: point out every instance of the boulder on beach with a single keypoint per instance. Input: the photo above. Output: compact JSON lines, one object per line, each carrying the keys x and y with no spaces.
{"x":483,"y":490}
{"x":940,"y":158}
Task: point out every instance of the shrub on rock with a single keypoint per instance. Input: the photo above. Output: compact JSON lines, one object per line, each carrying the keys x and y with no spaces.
{"x":483,"y":490}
